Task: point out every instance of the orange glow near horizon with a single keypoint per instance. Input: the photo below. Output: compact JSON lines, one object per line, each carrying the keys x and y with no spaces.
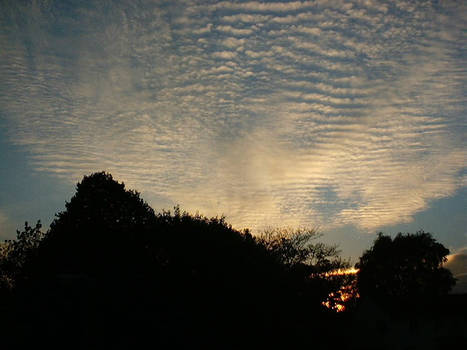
{"x":336,"y":300}
{"x":340,"y":272}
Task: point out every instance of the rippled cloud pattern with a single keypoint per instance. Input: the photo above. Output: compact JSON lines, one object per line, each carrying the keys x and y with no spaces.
{"x":321,"y":113}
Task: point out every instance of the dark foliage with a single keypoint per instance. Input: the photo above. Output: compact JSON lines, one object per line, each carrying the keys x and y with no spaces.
{"x":307,"y":263}
{"x":15,"y":254}
{"x":98,"y":230}
{"x":297,"y":247}
{"x":408,"y":267}
{"x":112,"y":273}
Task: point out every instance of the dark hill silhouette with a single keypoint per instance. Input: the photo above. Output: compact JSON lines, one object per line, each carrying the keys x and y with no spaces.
{"x":112,"y":273}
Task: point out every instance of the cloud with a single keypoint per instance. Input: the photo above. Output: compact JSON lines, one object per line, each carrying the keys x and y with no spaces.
{"x":234,"y":31}
{"x":224,"y":54}
{"x":233,"y":42}
{"x":261,"y":6}
{"x":457,"y":263}
{"x":203,"y":30}
{"x":308,"y":113}
{"x":247,"y":18}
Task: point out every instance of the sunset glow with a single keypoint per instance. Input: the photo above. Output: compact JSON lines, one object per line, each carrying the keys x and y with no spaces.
{"x":201,"y":173}
{"x":337,"y":301}
{"x":339,"y":272}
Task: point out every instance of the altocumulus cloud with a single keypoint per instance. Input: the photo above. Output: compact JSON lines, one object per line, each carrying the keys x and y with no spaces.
{"x":301,"y":112}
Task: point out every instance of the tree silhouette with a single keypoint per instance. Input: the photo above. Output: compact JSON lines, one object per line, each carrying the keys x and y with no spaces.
{"x":97,"y":231}
{"x":112,"y":272}
{"x":297,"y":247}
{"x":308,"y":264}
{"x":14,"y":254}
{"x":406,"y":267}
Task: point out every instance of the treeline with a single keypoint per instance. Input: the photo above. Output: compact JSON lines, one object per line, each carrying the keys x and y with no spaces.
{"x":112,"y":273}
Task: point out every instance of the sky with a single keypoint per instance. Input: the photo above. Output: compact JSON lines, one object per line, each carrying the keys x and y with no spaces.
{"x":346,"y":116}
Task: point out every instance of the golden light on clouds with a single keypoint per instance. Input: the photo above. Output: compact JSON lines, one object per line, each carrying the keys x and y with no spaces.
{"x":306,"y":113}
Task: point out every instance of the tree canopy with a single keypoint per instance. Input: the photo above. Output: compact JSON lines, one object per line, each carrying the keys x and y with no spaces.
{"x":112,"y":269}
{"x":14,"y":254}
{"x":298,"y":247}
{"x":406,"y":267}
{"x":137,"y":272}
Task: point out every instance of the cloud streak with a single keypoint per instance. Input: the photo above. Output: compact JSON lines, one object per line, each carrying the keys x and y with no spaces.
{"x":304,"y":113}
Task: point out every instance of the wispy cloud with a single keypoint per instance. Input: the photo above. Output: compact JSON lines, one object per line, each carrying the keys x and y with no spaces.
{"x":305,"y":112}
